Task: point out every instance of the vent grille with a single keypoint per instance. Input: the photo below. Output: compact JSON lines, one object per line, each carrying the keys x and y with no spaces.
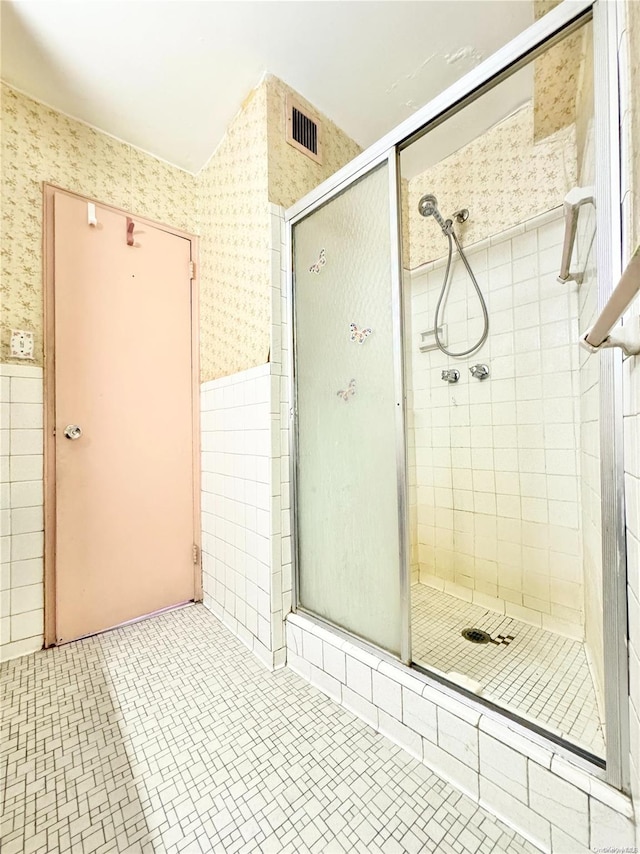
{"x":304,"y":131}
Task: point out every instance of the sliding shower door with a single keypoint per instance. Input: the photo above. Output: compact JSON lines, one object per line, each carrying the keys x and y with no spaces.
{"x":349,"y":412}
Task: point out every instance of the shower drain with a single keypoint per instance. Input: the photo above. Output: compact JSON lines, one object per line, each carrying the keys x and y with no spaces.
{"x":476,"y":636}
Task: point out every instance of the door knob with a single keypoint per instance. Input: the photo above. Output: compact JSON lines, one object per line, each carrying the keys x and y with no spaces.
{"x":73,"y":431}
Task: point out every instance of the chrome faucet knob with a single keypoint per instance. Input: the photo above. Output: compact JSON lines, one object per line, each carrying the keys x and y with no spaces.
{"x":450,"y":376}
{"x":480,"y":372}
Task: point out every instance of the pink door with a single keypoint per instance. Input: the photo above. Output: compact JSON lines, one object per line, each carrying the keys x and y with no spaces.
{"x":123,"y":376}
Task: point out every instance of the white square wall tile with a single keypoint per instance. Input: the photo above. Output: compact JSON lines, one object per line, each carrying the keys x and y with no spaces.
{"x":26,"y":572}
{"x":27,"y":598}
{"x":419,"y":714}
{"x":559,"y":802}
{"x":26,"y":625}
{"x":387,"y":695}
{"x":26,"y":390}
{"x":335,"y":662}
{"x":610,"y":829}
{"x":312,"y":649}
{"x":359,"y":678}
{"x":504,"y":766}
{"x":26,"y":546}
{"x":458,"y":738}
{"x":25,"y":520}
{"x":26,"y":416}
{"x":26,"y":467}
{"x":28,"y":493}
{"x":26,"y":442}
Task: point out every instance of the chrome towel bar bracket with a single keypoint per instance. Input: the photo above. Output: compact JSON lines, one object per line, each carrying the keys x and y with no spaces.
{"x":573,"y":201}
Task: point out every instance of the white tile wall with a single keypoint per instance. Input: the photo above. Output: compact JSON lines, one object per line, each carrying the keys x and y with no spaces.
{"x":246,"y":537}
{"x":552,"y":802}
{"x":236,"y":504}
{"x":21,"y":511}
{"x":496,"y":462}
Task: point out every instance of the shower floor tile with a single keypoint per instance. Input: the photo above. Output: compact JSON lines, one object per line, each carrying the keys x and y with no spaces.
{"x":168,"y":736}
{"x":538,"y":674}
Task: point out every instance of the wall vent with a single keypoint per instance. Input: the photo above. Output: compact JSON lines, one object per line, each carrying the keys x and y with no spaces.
{"x":304,"y":130}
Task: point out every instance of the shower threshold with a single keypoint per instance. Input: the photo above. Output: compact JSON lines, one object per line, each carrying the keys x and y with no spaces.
{"x":530,"y":671}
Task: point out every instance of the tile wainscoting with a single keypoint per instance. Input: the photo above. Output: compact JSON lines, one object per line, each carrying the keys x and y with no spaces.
{"x":246,"y":537}
{"x":21,"y":450}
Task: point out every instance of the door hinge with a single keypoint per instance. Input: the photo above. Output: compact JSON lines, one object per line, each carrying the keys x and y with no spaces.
{"x":192,"y":269}
{"x":196,"y":554}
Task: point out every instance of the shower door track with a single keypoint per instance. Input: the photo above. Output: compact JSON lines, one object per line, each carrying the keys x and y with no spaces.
{"x":596,"y":765}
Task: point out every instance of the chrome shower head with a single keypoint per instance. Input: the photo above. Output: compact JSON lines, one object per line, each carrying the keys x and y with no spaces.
{"x":428,"y":206}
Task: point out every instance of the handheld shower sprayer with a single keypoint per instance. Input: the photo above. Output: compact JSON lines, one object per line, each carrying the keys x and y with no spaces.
{"x":428,"y":206}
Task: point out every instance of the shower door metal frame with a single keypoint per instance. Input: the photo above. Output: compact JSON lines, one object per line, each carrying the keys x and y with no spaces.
{"x":392,"y":158}
{"x":609,"y":269}
{"x":552,"y":27}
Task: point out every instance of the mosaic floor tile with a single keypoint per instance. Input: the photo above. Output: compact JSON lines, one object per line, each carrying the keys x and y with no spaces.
{"x":535,"y":673}
{"x":168,"y":736}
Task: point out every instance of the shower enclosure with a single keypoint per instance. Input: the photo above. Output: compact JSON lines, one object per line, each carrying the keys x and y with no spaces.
{"x":455,"y":457}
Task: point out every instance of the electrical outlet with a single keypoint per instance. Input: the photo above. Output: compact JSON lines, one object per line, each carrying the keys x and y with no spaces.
{"x":21,"y":344}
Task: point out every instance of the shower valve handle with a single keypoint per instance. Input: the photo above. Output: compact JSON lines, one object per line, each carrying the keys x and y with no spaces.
{"x":480,"y":372}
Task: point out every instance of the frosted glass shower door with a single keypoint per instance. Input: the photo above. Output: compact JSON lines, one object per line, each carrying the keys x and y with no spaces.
{"x":347,"y":484}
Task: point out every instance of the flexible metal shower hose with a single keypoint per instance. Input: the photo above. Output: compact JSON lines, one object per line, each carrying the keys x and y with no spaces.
{"x":451,"y":235}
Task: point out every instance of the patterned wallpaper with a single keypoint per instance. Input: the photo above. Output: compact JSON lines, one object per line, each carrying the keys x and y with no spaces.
{"x":526,"y":179}
{"x":234,"y":246}
{"x":252,"y":167}
{"x":291,"y":173}
{"x":39,"y":144}
{"x":226,"y":203}
{"x":557,"y":77}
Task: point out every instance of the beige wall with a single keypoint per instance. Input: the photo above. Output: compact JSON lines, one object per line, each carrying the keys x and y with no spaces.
{"x":227,"y":203}
{"x":39,"y":144}
{"x":252,"y":167}
{"x":234,"y":247}
{"x":496,"y":189}
{"x":291,"y":174}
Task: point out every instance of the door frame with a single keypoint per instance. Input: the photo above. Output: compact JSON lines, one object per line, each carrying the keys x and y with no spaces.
{"x":49,"y":477}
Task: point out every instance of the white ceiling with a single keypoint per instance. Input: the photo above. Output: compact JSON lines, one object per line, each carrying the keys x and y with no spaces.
{"x":169,"y":76}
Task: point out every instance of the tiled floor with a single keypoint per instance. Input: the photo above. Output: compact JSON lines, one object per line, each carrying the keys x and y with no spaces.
{"x":169,"y":736}
{"x":538,"y":674}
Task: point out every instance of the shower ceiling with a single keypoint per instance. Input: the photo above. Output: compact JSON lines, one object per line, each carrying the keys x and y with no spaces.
{"x":169,"y":76}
